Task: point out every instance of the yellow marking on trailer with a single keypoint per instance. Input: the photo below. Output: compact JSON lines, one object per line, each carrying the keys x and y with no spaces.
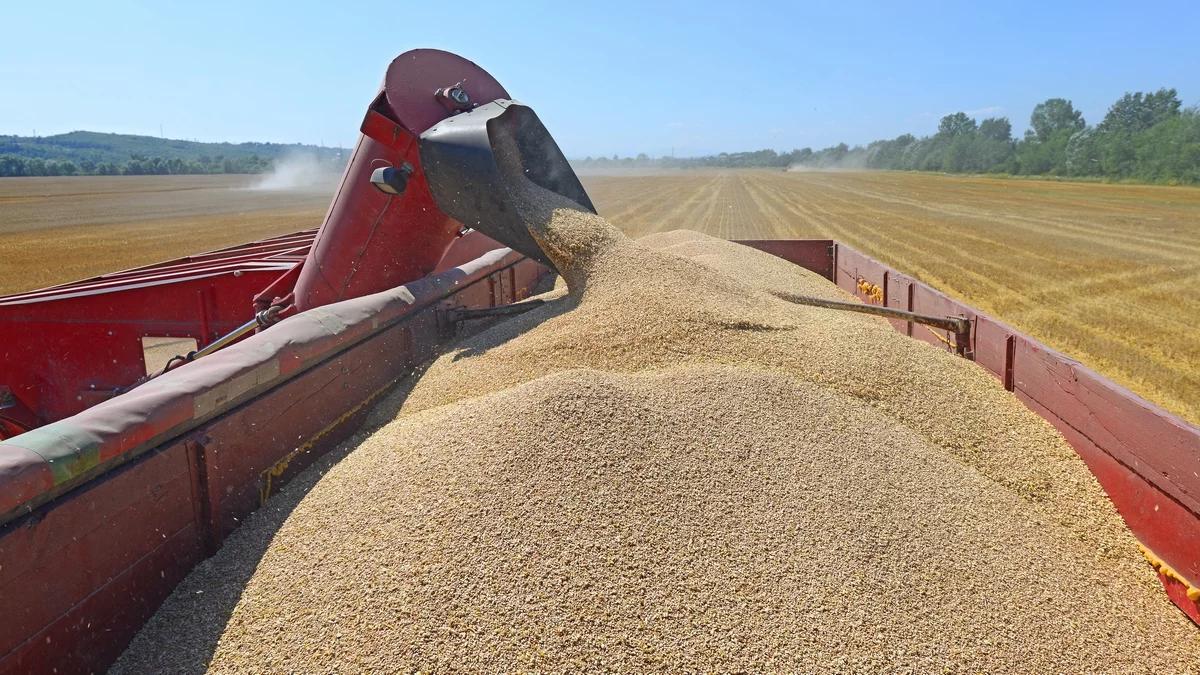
{"x":1169,"y":572}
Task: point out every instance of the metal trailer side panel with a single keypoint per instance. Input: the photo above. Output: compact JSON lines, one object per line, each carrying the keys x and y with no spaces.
{"x":194,"y":453}
{"x":1145,"y":458}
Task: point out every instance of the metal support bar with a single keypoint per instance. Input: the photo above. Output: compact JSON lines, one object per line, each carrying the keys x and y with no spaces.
{"x":263,"y":319}
{"x":959,"y":325}
{"x":226,"y":339}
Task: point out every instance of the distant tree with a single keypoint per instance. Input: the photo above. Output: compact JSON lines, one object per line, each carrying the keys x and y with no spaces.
{"x":996,"y":129}
{"x":1137,"y":112}
{"x":1054,"y":116}
{"x":12,"y":166}
{"x":1083,"y":153}
{"x":957,"y":124}
{"x":802,"y":156}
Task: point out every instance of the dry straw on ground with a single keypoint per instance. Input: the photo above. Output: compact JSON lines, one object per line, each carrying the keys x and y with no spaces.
{"x":1103,"y":272}
{"x":670,"y":468}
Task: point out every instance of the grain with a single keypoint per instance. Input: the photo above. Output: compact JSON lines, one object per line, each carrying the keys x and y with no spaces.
{"x":670,"y":468}
{"x":1100,"y":272}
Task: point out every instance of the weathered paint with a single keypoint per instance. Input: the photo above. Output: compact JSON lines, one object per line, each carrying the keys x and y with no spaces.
{"x":91,"y":549}
{"x":87,"y":567}
{"x":1146,"y":459}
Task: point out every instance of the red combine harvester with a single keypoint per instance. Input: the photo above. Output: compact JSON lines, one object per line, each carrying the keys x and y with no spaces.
{"x":119,"y":472}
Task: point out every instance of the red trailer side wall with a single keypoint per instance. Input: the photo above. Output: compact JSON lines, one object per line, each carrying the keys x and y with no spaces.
{"x":106,"y":511}
{"x":1147,"y":460}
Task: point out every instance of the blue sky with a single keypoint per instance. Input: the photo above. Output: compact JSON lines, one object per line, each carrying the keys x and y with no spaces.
{"x":606,"y":77}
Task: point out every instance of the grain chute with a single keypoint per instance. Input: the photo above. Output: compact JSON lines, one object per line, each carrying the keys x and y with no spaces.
{"x":441,"y":145}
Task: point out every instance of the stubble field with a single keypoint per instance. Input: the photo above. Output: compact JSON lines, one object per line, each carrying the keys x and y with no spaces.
{"x":1109,"y":274}
{"x":1105,"y":273}
{"x":54,"y":230}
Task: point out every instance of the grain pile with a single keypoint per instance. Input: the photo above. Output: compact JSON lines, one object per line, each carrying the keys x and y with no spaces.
{"x":670,"y":467}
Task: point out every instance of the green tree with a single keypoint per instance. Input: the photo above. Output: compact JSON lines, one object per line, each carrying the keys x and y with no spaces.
{"x":996,"y":129}
{"x":958,"y":124}
{"x":1055,"y":116}
{"x":1083,"y":153}
{"x":1136,"y":112}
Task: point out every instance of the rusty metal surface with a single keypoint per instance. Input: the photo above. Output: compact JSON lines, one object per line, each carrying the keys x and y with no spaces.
{"x":1147,"y":460}
{"x":142,"y":526}
{"x":959,"y":327}
{"x":811,"y":254}
{"x":70,"y":346}
{"x":198,"y":451}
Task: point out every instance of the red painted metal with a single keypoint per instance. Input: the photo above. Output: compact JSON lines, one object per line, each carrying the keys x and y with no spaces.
{"x":1146,"y":459}
{"x":372,"y":241}
{"x":70,"y":346}
{"x":80,"y":574}
{"x":66,"y":348}
{"x":180,"y":461}
{"x":812,"y":254}
{"x":168,"y":470}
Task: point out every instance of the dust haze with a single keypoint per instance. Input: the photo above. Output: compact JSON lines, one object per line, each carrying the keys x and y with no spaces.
{"x":851,"y":162}
{"x":300,"y":172}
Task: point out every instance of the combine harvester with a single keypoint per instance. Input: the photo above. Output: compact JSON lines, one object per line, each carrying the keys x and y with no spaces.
{"x":119,"y":473}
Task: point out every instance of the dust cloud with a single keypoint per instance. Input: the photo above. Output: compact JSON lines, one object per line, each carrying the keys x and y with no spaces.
{"x":849,"y":163}
{"x":300,"y":172}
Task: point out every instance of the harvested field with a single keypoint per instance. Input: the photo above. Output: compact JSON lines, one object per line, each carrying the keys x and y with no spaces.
{"x":673,"y":468}
{"x":54,"y":230}
{"x":1105,"y":273}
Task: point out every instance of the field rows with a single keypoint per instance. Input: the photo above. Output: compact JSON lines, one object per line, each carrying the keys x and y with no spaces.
{"x":54,"y":230}
{"x":1108,"y":274}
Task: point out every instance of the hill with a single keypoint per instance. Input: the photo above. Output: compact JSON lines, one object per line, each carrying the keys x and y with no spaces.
{"x":93,"y":152}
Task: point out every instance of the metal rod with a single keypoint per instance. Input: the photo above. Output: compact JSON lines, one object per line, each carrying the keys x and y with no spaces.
{"x":224,"y":340}
{"x":960,"y":326}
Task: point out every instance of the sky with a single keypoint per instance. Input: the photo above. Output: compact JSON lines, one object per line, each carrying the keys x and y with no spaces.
{"x":687,"y":78}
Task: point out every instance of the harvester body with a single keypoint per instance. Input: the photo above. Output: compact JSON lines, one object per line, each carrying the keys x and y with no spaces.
{"x":373,"y":239}
{"x":69,"y":347}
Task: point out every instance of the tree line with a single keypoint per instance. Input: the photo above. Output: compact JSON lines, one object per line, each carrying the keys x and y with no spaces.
{"x":1147,"y":137}
{"x":136,"y":165}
